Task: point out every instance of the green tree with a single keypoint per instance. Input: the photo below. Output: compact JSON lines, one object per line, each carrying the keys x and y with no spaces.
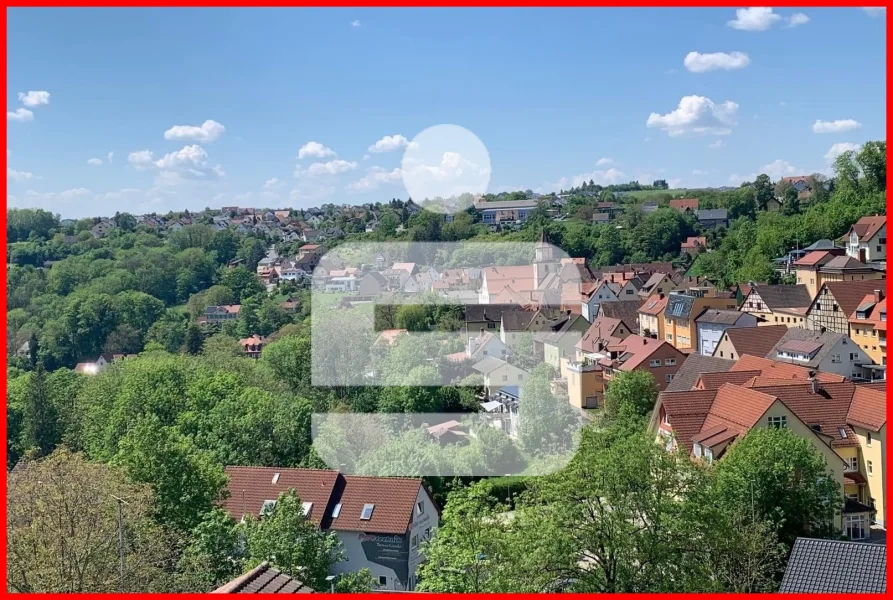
{"x":781,"y":478}
{"x":194,"y":339}
{"x":545,"y":421}
{"x":215,"y":551}
{"x":252,"y":251}
{"x":40,"y":419}
{"x":791,"y":201}
{"x":633,"y":391}
{"x":764,"y":192}
{"x":242,"y":282}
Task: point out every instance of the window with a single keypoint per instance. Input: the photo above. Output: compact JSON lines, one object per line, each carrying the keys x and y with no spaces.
{"x":855,"y":526}
{"x":307,"y":506}
{"x":505,"y":377}
{"x":868,"y":439}
{"x":854,"y":356}
{"x":669,"y":362}
{"x":666,"y":419}
{"x":336,"y":511}
{"x":275,"y":478}
{"x":267,"y":507}
{"x":668,"y":377}
{"x":697,"y":450}
{"x":420,"y":508}
{"x":382,"y":580}
{"x":654,"y":363}
{"x":869,"y":467}
{"x":669,"y":337}
{"x":851,"y":464}
{"x":414,"y":542}
{"x":835,"y":308}
{"x":708,"y":454}
{"x":778,"y":422}
{"x":835,"y":358}
{"x":367,"y":512}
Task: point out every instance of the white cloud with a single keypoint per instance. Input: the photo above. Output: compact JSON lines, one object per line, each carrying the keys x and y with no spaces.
{"x":797,"y":19}
{"x":188,"y":156}
{"x":21,"y":115}
{"x":333,"y":167}
{"x":389,"y":143}
{"x":779,"y":168}
{"x":140,"y":160}
{"x":838,"y":149}
{"x":698,"y":172}
{"x":18,"y":175}
{"x":374,"y":178}
{"x":837,"y":126}
{"x":32,"y":98}
{"x":717,"y":145}
{"x":875,"y":11}
{"x":95,"y":162}
{"x":110,"y":156}
{"x":314,"y":150}
{"x":73,"y":193}
{"x":604,"y":161}
{"x":701,"y":63}
{"x":754,"y":19}
{"x":272,"y":184}
{"x":674,"y":183}
{"x":355,"y":23}
{"x":696,"y":115}
{"x":206,"y":132}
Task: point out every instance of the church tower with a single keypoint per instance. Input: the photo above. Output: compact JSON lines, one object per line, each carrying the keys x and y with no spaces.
{"x":544,"y":261}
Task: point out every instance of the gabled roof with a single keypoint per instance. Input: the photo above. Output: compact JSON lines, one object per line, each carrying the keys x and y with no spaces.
{"x":713,"y":380}
{"x":600,"y":329}
{"x":713,"y":214}
{"x":756,"y":341}
{"x":488,"y":365}
{"x":693,"y":367}
{"x":845,"y":263}
{"x":834,"y":566}
{"x":849,"y":294}
{"x":867,"y":227}
{"x":813,"y":343}
{"x":635,"y":350}
{"x":783,"y":296}
{"x":872,"y":312}
{"x":679,"y":306}
{"x":868,"y":408}
{"x":682,"y":204}
{"x":687,"y":410}
{"x":394,"y":497}
{"x":720,"y":317}
{"x":654,"y":305}
{"x":817,"y":257}
{"x":264,"y":579}
{"x":780,"y":370}
{"x":823,"y":406}
{"x":625,"y":310}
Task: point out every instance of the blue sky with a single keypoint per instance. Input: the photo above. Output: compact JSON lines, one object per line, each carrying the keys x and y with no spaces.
{"x":554,"y":95}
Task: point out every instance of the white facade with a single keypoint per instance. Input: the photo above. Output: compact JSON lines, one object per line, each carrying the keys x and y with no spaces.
{"x":875,"y":249}
{"x":845,"y":358}
{"x":603,"y":293}
{"x":709,"y":334}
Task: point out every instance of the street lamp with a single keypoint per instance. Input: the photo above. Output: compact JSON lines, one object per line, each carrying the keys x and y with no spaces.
{"x":331,"y":580}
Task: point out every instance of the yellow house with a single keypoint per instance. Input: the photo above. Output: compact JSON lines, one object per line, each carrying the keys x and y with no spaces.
{"x":678,"y":317}
{"x":778,"y":304}
{"x":831,"y":415}
{"x":868,"y":326}
{"x":585,"y":384}
{"x":651,"y":323}
{"x":821,"y":266}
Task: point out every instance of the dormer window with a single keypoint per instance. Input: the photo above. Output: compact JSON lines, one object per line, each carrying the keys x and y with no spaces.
{"x":861,"y":315}
{"x":268,"y":507}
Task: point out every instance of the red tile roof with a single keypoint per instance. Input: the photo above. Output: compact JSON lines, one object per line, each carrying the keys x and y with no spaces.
{"x":715,"y":380}
{"x":816,"y":257}
{"x":681,"y":204}
{"x":778,"y":370}
{"x":654,"y":305}
{"x":394,"y":498}
{"x":849,"y":294}
{"x":872,"y":313}
{"x":264,"y":579}
{"x":867,"y":227}
{"x":756,"y":341}
{"x":868,"y":409}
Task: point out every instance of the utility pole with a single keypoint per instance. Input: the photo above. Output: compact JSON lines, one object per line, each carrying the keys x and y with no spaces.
{"x":121,"y":504}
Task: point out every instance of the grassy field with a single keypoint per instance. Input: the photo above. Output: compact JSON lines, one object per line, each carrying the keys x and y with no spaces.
{"x":645,"y":194}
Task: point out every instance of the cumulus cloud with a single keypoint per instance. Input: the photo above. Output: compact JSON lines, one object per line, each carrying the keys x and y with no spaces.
{"x":19,"y":175}
{"x":21,"y":115}
{"x":193,"y":157}
{"x":604,"y":161}
{"x":95,"y":162}
{"x":374,"y":178}
{"x":754,"y":19}
{"x":140,"y":160}
{"x":716,"y":145}
{"x":701,"y":63}
{"x":696,"y":115}
{"x":110,"y":156}
{"x":838,"y":149}
{"x":32,"y":98}
{"x":207,"y":132}
{"x":837,"y":126}
{"x":332,"y":167}
{"x":314,"y":150}
{"x":389,"y":143}
{"x":779,"y":168}
{"x":797,"y":19}
{"x":272,"y":184}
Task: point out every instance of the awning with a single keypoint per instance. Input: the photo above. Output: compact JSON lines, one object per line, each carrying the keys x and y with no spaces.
{"x":491,"y":406}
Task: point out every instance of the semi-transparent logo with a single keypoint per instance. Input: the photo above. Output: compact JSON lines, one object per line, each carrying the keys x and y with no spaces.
{"x":448,"y":359}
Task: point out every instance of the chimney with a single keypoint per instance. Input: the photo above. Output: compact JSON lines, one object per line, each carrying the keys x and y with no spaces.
{"x":814,"y":386}
{"x":661,"y":295}
{"x":878,"y":296}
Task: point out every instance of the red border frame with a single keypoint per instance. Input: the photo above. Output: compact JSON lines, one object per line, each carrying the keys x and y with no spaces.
{"x":385,"y":4}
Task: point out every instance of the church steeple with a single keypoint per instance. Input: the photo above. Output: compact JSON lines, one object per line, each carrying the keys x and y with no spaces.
{"x":544,"y":260}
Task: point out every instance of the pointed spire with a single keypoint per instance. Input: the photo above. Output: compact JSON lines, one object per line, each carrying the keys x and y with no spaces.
{"x":543,"y":241}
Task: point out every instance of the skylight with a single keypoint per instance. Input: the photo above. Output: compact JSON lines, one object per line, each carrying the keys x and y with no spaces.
{"x":308,"y":506}
{"x":367,"y":512}
{"x":267,"y":507}
{"x":275,"y":478}
{"x":336,"y":511}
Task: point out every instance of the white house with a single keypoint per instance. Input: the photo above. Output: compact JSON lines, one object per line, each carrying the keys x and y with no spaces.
{"x":498,"y":374}
{"x":712,"y":323}
{"x":829,"y":352}
{"x":867,"y":239}
{"x":601,"y":292}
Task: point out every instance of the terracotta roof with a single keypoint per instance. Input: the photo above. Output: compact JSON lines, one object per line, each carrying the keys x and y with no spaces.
{"x":849,"y":294}
{"x":681,"y":204}
{"x":695,"y":242}
{"x":867,"y":227}
{"x":779,"y":370}
{"x":737,"y":407}
{"x":872,"y":312}
{"x":717,"y":379}
{"x":654,"y":305}
{"x":388,"y":336}
{"x":686,"y":412}
{"x":394,"y":498}
{"x":818,"y":257}
{"x":757,"y":341}
{"x":868,"y":408}
{"x":263,"y":579}
{"x":783,"y":296}
{"x":599,"y":330}
{"x":693,"y":367}
{"x":637,"y":349}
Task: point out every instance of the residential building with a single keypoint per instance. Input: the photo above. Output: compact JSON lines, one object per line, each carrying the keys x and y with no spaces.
{"x":650,"y":316}
{"x":633,"y":353}
{"x":713,"y":322}
{"x":513,"y":210}
{"x":693,"y":245}
{"x":657,"y":283}
{"x":778,"y":304}
{"x":868,"y":328}
{"x":835,"y":567}
{"x":253,"y":346}
{"x":825,"y":351}
{"x":372,"y":284}
{"x":836,"y":301}
{"x":816,"y":268}
{"x":749,"y":367}
{"x":585,"y":380}
{"x":756,"y":341}
{"x":486,"y":344}
{"x":596,"y":293}
{"x":560,"y":343}
{"x":685,"y":205}
{"x":222,"y":313}
{"x":624,"y":310}
{"x":713,"y":217}
{"x":706,"y":422}
{"x":498,"y":374}
{"x":264,"y":579}
{"x":381,"y":522}
{"x":679,"y":317}
{"x":867,"y":239}
{"x":688,"y":374}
